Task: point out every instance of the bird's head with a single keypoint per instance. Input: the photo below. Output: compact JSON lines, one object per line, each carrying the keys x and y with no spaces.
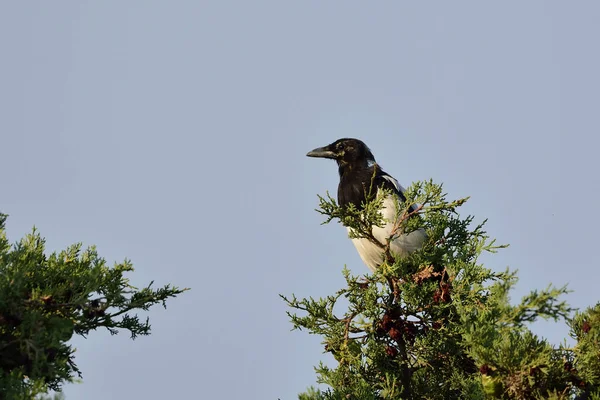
{"x":347,"y":152}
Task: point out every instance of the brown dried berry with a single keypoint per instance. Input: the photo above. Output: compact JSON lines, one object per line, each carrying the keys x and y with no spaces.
{"x":436,"y":325}
{"x":387,"y":322}
{"x":586,"y":327}
{"x":484,"y":369}
{"x":395,"y":334}
{"x":391,"y":351}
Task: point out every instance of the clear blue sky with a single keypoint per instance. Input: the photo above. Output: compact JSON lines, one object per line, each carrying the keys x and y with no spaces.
{"x":175,"y":134}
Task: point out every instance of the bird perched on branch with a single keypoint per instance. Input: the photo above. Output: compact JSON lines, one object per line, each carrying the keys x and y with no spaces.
{"x":359,"y":172}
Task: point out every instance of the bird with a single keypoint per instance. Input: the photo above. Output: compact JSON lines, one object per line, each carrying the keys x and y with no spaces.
{"x":359,"y":171}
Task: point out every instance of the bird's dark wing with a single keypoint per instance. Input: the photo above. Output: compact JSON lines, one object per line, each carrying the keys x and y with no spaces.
{"x":386,"y":181}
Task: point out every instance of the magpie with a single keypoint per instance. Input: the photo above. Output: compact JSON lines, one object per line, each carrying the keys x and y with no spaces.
{"x":358,"y":172}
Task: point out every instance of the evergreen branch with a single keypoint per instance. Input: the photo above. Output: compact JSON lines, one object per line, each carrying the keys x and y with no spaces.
{"x":438,"y":324}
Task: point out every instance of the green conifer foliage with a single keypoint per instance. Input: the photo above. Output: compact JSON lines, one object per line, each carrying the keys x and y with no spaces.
{"x":438,"y":324}
{"x":46,"y":299}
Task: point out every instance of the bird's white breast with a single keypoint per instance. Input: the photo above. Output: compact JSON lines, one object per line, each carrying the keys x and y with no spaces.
{"x":371,"y":254}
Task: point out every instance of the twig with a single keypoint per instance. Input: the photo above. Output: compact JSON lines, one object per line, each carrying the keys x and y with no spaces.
{"x":347,"y":328}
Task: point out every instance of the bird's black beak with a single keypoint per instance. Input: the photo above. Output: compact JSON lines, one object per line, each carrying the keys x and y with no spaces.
{"x":321,"y":152}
